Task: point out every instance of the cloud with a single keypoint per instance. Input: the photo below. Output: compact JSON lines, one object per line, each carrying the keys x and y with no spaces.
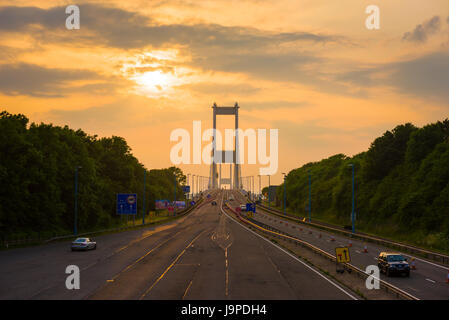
{"x":123,"y":113}
{"x":271,"y":105}
{"x":34,"y":80}
{"x":275,"y":56}
{"x":116,"y":27}
{"x":222,"y":88}
{"x":18,"y":18}
{"x":422,"y":31}
{"x":426,"y":76}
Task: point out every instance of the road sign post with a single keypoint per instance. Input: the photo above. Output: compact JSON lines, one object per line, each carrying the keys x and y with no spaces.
{"x":127,"y":204}
{"x":342,"y":256}
{"x":186,"y":189}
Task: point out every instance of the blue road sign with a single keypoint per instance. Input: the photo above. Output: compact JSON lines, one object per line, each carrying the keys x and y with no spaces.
{"x":126,"y":203}
{"x":251,"y":207}
{"x":186,"y":189}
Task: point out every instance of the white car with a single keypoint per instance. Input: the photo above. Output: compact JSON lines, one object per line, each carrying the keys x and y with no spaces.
{"x":83,"y":244}
{"x":243,"y":207}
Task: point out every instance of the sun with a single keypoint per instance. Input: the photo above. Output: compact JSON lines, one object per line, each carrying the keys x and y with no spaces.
{"x":155,"y":81}
{"x":157,"y":74}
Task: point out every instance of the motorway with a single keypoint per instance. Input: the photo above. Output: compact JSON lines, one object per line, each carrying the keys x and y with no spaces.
{"x":203,"y":255}
{"x":428,"y":281}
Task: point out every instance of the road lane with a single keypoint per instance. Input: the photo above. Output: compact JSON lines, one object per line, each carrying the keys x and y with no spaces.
{"x":416,"y":285}
{"x":205,"y":255}
{"x":39,"y":272}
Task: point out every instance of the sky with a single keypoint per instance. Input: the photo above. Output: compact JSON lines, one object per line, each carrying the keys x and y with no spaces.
{"x":309,"y":68}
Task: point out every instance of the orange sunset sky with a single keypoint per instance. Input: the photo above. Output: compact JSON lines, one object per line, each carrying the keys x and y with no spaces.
{"x":310,"y":68}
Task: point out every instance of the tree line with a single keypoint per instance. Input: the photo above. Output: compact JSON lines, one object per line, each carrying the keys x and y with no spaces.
{"x":401,"y":186}
{"x":37,"y":172}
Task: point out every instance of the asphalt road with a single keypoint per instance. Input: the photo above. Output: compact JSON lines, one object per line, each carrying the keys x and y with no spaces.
{"x":204,"y":255}
{"x":428,"y":281}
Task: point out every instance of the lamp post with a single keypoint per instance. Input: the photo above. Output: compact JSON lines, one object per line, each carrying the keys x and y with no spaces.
{"x":310,"y":197}
{"x":285,"y":196}
{"x":143,"y":205}
{"x":193,"y":186}
{"x":75,"y":230}
{"x":260,"y":188}
{"x":174,"y":197}
{"x":269,"y":197}
{"x":353,"y":200}
{"x":252,"y":194}
{"x":188,"y":183}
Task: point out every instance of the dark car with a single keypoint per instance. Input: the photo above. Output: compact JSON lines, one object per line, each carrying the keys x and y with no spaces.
{"x":214,"y":203}
{"x":393,"y":263}
{"x":83,"y":244}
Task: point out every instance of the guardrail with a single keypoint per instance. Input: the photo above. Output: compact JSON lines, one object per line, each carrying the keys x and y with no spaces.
{"x":7,"y":243}
{"x":282,"y":235}
{"x":434,"y":256}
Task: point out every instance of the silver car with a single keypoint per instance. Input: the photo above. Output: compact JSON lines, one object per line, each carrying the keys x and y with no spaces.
{"x":83,"y":244}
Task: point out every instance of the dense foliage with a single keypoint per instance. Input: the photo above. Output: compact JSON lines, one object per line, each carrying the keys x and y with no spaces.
{"x":401,"y":186}
{"x":37,"y":172}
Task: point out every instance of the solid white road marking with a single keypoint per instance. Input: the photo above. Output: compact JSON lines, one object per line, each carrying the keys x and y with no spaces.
{"x":431,"y":263}
{"x":430,"y":280}
{"x":434,"y":264}
{"x":292,"y":256}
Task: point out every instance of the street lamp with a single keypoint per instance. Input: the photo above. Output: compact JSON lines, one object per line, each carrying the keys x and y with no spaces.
{"x":174,"y":198}
{"x":193,"y":186}
{"x":353,"y":202}
{"x":310,"y":197}
{"x":143,"y":206}
{"x":188,"y":183}
{"x":269,"y":186}
{"x":252,"y":178}
{"x":75,"y":231}
{"x":285,"y":196}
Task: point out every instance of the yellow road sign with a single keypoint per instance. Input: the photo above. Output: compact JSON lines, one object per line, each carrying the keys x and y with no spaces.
{"x":342,"y":254}
{"x":249,"y":214}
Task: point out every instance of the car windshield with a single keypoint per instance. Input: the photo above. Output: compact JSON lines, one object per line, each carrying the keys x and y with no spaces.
{"x":80,"y":240}
{"x":395,"y":258}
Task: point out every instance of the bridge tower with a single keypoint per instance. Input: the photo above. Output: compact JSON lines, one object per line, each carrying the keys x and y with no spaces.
{"x":220,"y":156}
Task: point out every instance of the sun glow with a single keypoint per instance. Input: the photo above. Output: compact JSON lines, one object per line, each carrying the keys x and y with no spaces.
{"x":155,"y":73}
{"x":155,"y":81}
